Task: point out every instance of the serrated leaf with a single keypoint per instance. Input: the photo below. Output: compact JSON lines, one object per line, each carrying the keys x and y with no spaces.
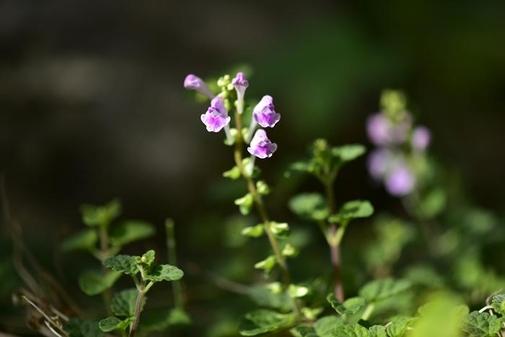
{"x":100,"y":215}
{"x":263,"y":321}
{"x":164,"y":272}
{"x":377,"y":331}
{"x":125,"y":264}
{"x":309,"y":206}
{"x":350,"y":330}
{"x":398,"y":326}
{"x":378,"y":290}
{"x":130,"y":231}
{"x":347,"y":153}
{"x":498,"y":303}
{"x":352,"y":210}
{"x":123,"y":303}
{"x":82,"y":328}
{"x":113,"y":323}
{"x":325,"y":326}
{"x":94,"y":282}
{"x":351,"y":310}
{"x":84,"y":240}
{"x":482,"y":324}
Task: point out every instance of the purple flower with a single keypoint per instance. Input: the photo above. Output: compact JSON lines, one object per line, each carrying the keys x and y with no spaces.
{"x":193,"y":82}
{"x":216,"y":117}
{"x":382,"y":131}
{"x":264,"y":112}
{"x":240,"y":83}
{"x":379,"y":129}
{"x":378,"y":162}
{"x":421,"y":137}
{"x":261,"y":146}
{"x":400,"y":181}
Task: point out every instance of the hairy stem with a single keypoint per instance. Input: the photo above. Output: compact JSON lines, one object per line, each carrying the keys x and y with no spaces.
{"x":103,"y":237}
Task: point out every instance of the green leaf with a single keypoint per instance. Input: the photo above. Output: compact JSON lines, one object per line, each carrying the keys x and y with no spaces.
{"x":398,"y":326}
{"x":233,"y":173}
{"x":352,"y":210}
{"x":253,"y":231}
{"x":326,"y":326}
{"x":278,"y":228}
{"x":245,"y":203}
{"x":266,"y":264}
{"x":161,"y":319}
{"x":378,"y":290}
{"x":130,"y":231}
{"x":100,"y":215}
{"x":113,"y":323}
{"x":303,"y":331}
{"x":263,"y":321}
{"x":123,"y":303}
{"x":84,"y":240}
{"x":482,"y":324}
{"x":82,"y":328}
{"x":296,"y":291}
{"x":377,"y":331}
{"x":350,"y":330}
{"x":443,"y":315}
{"x":271,"y":297}
{"x":125,"y":264}
{"x":351,"y":310}
{"x":94,"y":282}
{"x":164,"y":272}
{"x":262,"y":187}
{"x":309,"y":205}
{"x":498,"y":303}
{"x":347,"y":153}
{"x":148,"y":258}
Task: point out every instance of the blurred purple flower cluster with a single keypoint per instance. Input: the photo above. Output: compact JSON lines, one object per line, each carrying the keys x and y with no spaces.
{"x":216,"y":118}
{"x":398,"y":144}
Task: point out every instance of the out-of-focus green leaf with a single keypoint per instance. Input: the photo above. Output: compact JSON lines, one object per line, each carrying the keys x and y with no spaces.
{"x":398,"y":326}
{"x":161,"y":319}
{"x":377,"y":331}
{"x":442,"y":316}
{"x":100,"y":215}
{"x":113,"y":323}
{"x":84,"y":240}
{"x":82,"y":328}
{"x":325,"y":326}
{"x":123,"y":303}
{"x":130,"y":231}
{"x":352,"y":210}
{"x":309,"y":206}
{"x":94,"y":282}
{"x":263,"y":321}
{"x":381,"y":289}
{"x":349,"y":152}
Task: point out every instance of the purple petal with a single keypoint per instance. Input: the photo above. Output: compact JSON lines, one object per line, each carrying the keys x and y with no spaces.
{"x":264,"y":112}
{"x":260,"y":146}
{"x":400,"y":181}
{"x":421,"y":138}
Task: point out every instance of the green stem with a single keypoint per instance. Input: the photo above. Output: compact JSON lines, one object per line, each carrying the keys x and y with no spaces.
{"x":368,"y":311}
{"x":103,"y":237}
{"x":172,"y":259}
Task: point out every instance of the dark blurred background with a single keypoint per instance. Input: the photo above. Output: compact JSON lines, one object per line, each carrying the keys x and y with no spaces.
{"x":92,"y":105}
